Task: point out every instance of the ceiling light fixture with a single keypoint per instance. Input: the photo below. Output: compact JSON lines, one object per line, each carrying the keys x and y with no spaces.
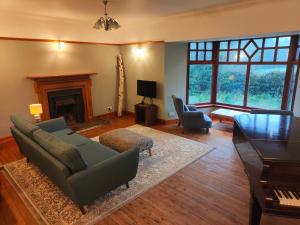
{"x":106,"y":23}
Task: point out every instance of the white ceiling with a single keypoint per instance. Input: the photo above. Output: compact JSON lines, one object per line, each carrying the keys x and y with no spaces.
{"x":123,"y":10}
{"x":140,"y":20}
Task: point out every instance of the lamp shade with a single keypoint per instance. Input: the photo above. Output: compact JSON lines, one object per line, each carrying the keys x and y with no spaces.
{"x":35,"y":109}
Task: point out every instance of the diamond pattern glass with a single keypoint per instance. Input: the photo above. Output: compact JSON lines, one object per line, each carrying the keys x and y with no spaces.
{"x":250,"y":49}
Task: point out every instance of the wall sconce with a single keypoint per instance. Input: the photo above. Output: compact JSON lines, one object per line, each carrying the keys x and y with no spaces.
{"x":36,"y":110}
{"x":61,"y":45}
{"x":139,"y":52}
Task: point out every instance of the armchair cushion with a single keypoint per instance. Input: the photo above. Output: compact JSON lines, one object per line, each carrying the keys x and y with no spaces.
{"x":193,"y":114}
{"x":63,"y":152}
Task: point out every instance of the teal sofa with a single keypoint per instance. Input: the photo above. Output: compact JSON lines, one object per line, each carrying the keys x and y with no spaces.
{"x":83,"y":169}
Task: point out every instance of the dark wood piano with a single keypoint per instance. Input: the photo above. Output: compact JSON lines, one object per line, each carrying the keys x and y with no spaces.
{"x":269,"y":147}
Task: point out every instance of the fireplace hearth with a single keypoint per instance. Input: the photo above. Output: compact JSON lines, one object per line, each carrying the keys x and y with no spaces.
{"x":66,"y":103}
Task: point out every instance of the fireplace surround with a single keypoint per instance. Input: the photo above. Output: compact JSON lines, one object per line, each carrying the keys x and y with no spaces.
{"x":67,"y":95}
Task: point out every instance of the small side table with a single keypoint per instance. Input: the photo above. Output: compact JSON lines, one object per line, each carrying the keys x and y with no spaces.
{"x":146,"y":113}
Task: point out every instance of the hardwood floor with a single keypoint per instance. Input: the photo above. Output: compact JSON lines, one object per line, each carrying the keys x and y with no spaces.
{"x":212,"y":190}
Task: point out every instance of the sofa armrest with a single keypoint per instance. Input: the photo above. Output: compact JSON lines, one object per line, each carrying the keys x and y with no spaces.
{"x":192,"y":114}
{"x":53,"y":125}
{"x":89,"y":184}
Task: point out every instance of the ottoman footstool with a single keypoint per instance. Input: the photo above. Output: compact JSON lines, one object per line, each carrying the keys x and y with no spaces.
{"x":123,"y":139}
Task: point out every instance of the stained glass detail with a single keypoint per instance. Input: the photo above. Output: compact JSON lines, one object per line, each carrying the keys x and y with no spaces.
{"x":244,"y":43}
{"x":259,"y":42}
{"x":250,"y":49}
{"x":256,"y":57}
{"x":243,"y":56}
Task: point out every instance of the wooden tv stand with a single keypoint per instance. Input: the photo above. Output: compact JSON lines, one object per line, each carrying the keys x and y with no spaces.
{"x":146,"y":113}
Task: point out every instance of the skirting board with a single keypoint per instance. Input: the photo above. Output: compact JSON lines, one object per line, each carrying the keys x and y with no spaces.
{"x":6,"y":139}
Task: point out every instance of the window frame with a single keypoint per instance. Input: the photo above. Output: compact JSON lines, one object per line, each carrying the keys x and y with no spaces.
{"x":192,"y":62}
{"x":291,"y":61}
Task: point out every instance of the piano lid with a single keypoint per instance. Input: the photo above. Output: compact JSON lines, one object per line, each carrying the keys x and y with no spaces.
{"x":275,"y":137}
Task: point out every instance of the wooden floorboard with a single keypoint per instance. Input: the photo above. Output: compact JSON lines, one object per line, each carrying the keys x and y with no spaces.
{"x":212,"y":190}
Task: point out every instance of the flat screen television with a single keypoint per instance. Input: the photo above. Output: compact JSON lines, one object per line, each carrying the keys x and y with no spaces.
{"x":146,"y":88}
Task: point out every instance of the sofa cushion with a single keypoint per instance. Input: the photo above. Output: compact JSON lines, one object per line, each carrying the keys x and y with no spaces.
{"x":73,"y":139}
{"x":94,"y":152}
{"x":23,"y":125}
{"x":64,"y":152}
{"x":53,"y":124}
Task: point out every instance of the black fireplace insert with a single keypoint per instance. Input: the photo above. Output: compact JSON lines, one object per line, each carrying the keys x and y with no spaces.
{"x":67,"y":103}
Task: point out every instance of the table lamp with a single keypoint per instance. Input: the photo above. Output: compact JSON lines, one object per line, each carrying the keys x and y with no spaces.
{"x":36,"y":110}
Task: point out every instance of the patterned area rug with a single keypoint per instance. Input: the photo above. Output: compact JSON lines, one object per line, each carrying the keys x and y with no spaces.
{"x":170,"y":154}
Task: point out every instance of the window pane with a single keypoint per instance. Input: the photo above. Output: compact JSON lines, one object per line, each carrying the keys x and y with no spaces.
{"x":282,"y":55}
{"x":234,"y":44}
{"x":243,"y":56}
{"x":208,"y":45}
{"x":231,"y":84}
{"x":292,"y":87}
{"x":193,"y":46}
{"x":270,"y":42}
{"x":256,"y":57}
{"x":233,"y":56}
{"x":201,"y":55}
{"x":243,"y":43}
{"x":192,"y":55}
{"x":224,"y":45}
{"x":201,"y":45}
{"x":269,"y":55}
{"x":200,"y":83}
{"x":223,"y":56}
{"x":266,"y":86}
{"x":250,"y":49}
{"x":284,"y":41}
{"x":258,"y":42}
{"x":208,"y":55}
{"x":297,"y":53}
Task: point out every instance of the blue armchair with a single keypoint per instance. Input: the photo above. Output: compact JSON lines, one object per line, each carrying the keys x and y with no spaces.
{"x":189,"y":117}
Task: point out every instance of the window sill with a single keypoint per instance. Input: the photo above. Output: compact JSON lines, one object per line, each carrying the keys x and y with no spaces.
{"x":243,"y":109}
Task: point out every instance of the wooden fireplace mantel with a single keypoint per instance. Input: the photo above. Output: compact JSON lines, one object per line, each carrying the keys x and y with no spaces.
{"x":59,"y":76}
{"x":43,"y":84}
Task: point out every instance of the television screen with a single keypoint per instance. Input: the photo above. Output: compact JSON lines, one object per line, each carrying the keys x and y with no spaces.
{"x":146,"y":88}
